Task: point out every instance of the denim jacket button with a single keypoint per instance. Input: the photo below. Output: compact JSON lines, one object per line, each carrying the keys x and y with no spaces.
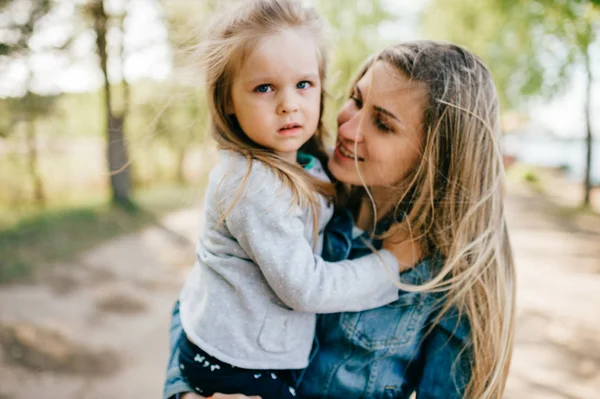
{"x":390,"y":392}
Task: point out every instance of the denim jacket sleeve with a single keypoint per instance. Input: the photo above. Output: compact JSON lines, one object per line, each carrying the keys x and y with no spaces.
{"x":446,"y":360}
{"x":175,"y":384}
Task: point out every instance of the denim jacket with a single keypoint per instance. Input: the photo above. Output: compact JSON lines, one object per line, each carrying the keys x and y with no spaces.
{"x":388,"y":352}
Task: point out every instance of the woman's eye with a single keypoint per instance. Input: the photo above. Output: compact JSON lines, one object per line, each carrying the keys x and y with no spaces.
{"x":263,"y":88}
{"x":305,"y":84}
{"x":356,"y":101}
{"x":381,"y":125}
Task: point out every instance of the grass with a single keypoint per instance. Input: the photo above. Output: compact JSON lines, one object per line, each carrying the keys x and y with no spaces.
{"x":41,"y":237}
{"x":519,"y":173}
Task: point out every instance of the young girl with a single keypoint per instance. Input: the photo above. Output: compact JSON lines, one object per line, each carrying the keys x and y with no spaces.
{"x":248,"y":307}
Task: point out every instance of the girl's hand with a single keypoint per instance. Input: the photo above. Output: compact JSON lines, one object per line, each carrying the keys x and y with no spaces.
{"x":406,"y":249}
{"x":191,"y":395}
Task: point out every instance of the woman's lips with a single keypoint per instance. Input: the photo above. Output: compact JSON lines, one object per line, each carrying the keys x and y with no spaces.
{"x":344,"y":153}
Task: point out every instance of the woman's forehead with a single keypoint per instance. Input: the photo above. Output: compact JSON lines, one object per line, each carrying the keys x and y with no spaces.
{"x":385,"y":86}
{"x":383,"y":77}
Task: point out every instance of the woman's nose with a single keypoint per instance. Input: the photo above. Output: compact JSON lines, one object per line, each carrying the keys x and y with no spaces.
{"x":349,"y":124}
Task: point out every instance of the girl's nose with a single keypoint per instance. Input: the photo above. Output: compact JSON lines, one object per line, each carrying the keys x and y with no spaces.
{"x":288,"y":103}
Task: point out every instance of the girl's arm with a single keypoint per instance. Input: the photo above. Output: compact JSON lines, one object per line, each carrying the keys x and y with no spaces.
{"x":271,"y":232}
{"x":405,"y":248}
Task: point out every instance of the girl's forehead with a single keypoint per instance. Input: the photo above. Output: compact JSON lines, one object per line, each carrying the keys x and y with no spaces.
{"x":289,"y":51}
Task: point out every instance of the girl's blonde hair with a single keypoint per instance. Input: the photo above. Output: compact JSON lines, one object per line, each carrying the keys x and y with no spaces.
{"x":228,"y":44}
{"x":455,"y":197}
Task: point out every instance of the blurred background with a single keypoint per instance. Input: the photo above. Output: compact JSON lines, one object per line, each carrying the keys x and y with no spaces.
{"x":104,"y":157}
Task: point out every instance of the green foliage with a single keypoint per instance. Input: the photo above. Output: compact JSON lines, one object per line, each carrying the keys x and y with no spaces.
{"x":19,"y":22}
{"x":531,"y":177}
{"x":81,"y":114}
{"x":355,"y":37}
{"x":530,"y":46}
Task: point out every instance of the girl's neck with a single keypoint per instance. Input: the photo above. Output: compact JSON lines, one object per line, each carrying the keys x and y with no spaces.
{"x":289,"y":156}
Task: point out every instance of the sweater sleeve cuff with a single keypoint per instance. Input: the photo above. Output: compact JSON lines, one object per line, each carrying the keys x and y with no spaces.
{"x":392,"y":274}
{"x":391,"y":264}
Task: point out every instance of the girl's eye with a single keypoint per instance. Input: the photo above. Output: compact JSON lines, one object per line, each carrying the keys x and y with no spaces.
{"x":305,"y":84}
{"x":264,"y":88}
{"x":381,"y":125}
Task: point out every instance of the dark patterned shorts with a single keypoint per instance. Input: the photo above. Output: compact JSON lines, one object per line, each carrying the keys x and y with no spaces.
{"x":208,"y":375}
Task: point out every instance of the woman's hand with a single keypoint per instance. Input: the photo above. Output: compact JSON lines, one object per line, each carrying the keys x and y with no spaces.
{"x":191,"y":395}
{"x":405,"y":247}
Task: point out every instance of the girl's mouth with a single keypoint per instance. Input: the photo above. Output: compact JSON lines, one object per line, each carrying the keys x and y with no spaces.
{"x":290,"y":129}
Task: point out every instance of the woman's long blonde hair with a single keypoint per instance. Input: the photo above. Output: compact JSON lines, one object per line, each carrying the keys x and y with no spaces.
{"x":228,"y":44}
{"x":455,"y":199}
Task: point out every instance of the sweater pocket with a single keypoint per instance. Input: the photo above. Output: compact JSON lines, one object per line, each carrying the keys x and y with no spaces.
{"x":285,"y":330}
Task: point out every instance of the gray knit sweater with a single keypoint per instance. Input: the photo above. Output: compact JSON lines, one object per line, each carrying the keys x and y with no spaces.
{"x":251,"y":297}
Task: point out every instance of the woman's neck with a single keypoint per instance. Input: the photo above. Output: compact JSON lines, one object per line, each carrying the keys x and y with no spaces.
{"x":385,"y":199}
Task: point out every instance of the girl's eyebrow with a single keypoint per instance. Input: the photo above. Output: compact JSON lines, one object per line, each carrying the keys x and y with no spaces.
{"x":310,"y":76}
{"x":265,"y":78}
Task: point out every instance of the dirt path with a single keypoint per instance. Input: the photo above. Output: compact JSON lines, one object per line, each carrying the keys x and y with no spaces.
{"x":558,"y":319}
{"x":97,"y":328}
{"x":106,"y":316}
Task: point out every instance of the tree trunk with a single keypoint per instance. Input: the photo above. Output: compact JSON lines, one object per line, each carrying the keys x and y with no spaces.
{"x":588,"y":137}
{"x":118,"y":160}
{"x":181,"y":155}
{"x":123,"y":55}
{"x":34,"y":169}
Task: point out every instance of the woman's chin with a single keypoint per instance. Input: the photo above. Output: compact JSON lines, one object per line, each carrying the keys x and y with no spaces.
{"x":342,"y":173}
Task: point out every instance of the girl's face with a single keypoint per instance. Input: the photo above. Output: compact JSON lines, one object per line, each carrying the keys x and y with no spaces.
{"x":380,"y":129}
{"x":276,"y":94}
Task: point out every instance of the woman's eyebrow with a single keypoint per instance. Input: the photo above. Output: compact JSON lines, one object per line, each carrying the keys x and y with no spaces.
{"x":378,"y":108}
{"x":386,"y":112}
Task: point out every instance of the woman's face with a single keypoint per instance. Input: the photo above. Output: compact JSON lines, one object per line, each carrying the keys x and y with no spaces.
{"x":379,"y":128}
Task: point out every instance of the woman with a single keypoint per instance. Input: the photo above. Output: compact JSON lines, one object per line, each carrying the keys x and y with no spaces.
{"x":418,"y":148}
